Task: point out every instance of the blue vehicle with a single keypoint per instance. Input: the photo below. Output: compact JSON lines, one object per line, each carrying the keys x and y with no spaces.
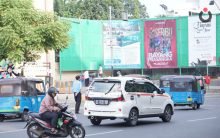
{"x":165,"y":82}
{"x":20,"y":95}
{"x":187,"y":90}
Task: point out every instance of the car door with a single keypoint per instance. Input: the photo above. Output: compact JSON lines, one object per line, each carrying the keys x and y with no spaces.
{"x":32,"y":97}
{"x":40,"y":89}
{"x":140,"y":95}
{"x":156,"y":99}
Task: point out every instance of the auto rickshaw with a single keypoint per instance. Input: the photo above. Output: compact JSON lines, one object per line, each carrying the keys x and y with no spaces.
{"x":187,"y":90}
{"x":20,"y":95}
{"x":165,"y":82}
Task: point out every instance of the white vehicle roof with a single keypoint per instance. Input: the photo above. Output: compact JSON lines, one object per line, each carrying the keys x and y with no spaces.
{"x":122,"y":79}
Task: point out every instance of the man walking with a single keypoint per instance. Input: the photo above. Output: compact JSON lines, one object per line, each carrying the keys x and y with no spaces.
{"x":76,"y":88}
{"x":86,"y":77}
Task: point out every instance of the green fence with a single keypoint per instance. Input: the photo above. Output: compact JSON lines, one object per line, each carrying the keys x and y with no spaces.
{"x":85,"y":51}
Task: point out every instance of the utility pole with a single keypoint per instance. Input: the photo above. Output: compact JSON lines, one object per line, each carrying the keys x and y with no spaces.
{"x":111,"y":47}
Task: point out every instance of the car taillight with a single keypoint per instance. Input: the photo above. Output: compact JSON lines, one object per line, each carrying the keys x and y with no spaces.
{"x":17,"y":102}
{"x":88,"y":98}
{"x":119,"y":99}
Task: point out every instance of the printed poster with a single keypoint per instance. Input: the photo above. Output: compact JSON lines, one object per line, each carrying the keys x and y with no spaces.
{"x":202,"y":41}
{"x":121,"y":42}
{"x":160,"y":44}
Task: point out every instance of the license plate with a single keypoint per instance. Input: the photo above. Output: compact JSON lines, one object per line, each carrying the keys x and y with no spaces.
{"x":101,"y":102}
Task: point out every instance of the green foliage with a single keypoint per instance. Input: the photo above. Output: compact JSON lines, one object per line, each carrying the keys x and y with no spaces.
{"x":99,"y":9}
{"x":25,"y":32}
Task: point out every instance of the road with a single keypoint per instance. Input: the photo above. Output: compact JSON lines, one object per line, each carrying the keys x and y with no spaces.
{"x":186,"y":123}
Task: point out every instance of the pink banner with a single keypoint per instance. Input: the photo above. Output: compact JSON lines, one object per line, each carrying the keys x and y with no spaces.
{"x":160,"y":44}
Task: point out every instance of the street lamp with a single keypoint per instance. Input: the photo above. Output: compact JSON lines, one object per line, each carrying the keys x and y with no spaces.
{"x":110,"y":23}
{"x":124,"y":18}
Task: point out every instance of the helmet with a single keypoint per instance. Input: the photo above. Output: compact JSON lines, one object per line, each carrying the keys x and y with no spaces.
{"x":52,"y":90}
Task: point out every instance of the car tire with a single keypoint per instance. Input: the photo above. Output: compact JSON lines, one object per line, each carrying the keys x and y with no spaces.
{"x":167,"y":115}
{"x":133,"y":117}
{"x":24,"y":115}
{"x":95,"y":121}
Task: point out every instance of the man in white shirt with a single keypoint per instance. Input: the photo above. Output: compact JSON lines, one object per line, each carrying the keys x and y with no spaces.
{"x":100,"y":71}
{"x":76,"y":88}
{"x":86,"y":77}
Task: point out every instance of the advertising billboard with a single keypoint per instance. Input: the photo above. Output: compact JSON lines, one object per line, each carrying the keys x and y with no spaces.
{"x":160,"y":44}
{"x":121,"y":42}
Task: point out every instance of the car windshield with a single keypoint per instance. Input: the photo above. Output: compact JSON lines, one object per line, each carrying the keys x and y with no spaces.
{"x":105,"y":87}
{"x":165,"y":83}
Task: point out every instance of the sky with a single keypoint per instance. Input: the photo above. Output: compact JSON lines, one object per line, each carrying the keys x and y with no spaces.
{"x":181,"y":6}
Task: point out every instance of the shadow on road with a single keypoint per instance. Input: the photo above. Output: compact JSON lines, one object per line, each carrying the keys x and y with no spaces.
{"x":123,"y":124}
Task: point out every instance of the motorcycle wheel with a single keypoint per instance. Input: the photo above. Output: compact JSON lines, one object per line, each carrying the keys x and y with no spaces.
{"x":77,"y":132}
{"x":31,"y":128}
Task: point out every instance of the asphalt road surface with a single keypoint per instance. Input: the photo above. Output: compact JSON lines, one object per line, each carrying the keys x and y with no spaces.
{"x":186,"y":123}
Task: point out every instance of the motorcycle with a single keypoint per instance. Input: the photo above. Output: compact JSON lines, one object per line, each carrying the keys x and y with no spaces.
{"x":66,"y":125}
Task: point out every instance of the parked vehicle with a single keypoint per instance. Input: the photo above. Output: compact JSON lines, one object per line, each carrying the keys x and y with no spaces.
{"x":138,"y":76}
{"x":165,"y":82}
{"x":66,"y":125}
{"x":127,"y":98}
{"x":20,"y":95}
{"x":187,"y":90}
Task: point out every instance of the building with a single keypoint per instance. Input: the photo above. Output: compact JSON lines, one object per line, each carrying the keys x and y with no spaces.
{"x":45,"y":66}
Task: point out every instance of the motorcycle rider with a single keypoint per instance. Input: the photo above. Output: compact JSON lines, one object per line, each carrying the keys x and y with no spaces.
{"x":49,"y":108}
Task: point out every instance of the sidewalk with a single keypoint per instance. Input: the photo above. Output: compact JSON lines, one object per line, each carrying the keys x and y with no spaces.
{"x":61,"y":98}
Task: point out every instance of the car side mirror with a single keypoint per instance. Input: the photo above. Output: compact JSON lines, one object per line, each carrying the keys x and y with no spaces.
{"x":162,"y":91}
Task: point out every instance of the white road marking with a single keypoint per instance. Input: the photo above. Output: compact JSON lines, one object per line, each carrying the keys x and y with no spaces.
{"x":202,"y":119}
{"x":210,"y":105}
{"x":103,"y":133}
{"x":12,"y":131}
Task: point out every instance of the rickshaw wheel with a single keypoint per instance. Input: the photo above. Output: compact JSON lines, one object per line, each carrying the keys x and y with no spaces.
{"x":198,"y":106}
{"x":2,"y":117}
{"x":24,"y":116}
{"x":194,"y":106}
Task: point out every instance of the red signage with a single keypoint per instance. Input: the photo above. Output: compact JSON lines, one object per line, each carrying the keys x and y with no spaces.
{"x":160,"y":44}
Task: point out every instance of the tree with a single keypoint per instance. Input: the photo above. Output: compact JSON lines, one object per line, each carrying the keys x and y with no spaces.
{"x":99,"y":9}
{"x":26,"y":32}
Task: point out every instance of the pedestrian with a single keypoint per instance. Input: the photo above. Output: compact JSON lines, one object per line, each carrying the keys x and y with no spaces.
{"x":76,"y":88}
{"x":100,"y":71}
{"x":119,"y":73}
{"x":86,"y":77}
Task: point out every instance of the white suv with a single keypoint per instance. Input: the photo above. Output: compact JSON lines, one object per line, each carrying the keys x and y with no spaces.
{"x":127,"y":98}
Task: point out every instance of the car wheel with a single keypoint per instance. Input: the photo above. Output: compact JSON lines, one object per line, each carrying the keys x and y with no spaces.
{"x":24,"y":116}
{"x":95,"y":121}
{"x":167,"y":115}
{"x":2,"y":118}
{"x":133,"y":117}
